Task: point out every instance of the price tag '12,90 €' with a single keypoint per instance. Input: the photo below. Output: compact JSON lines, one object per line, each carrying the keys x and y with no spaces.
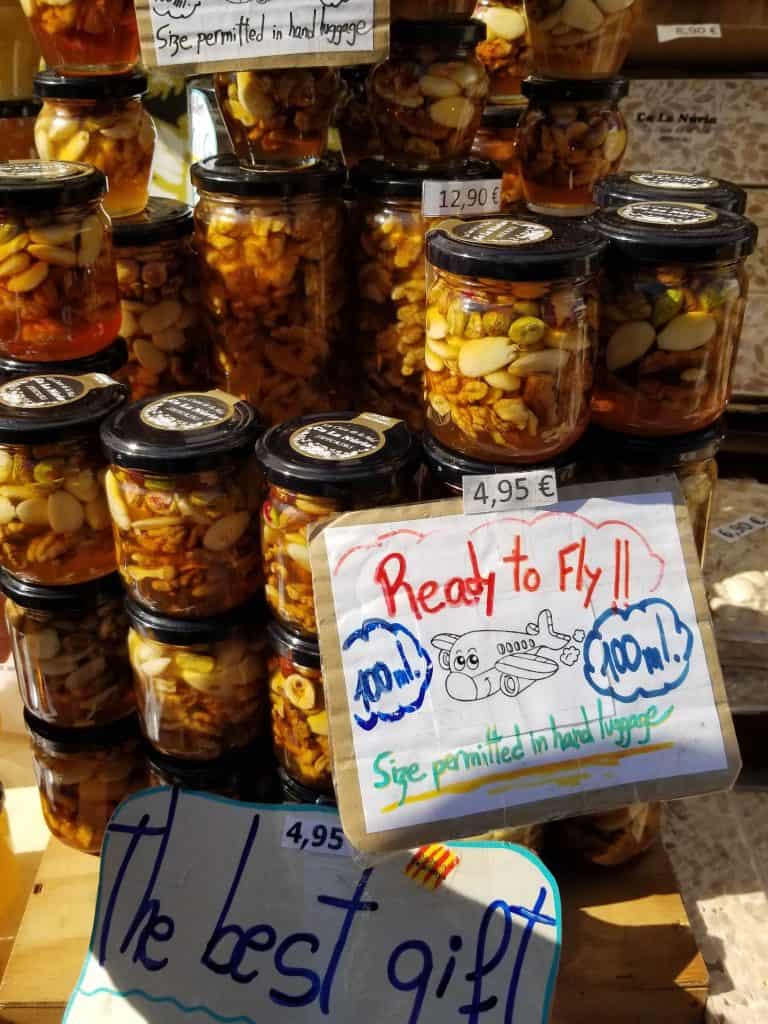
{"x":501,"y":492}
{"x":460,"y":198}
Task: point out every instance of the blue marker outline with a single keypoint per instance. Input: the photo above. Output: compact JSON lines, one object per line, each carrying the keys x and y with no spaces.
{"x":394,"y":629}
{"x":624,"y":613}
{"x":314,"y":809}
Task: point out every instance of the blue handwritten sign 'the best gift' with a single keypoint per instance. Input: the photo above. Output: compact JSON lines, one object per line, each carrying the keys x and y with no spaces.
{"x":220,"y":911}
{"x":496,"y":669}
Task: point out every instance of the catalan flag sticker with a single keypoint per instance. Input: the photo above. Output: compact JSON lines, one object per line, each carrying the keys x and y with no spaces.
{"x":431,"y":865}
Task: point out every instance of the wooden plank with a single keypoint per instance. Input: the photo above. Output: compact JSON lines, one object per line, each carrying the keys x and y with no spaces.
{"x":628,"y":949}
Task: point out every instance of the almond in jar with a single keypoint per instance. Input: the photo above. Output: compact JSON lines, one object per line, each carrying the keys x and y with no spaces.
{"x":54,"y":521}
{"x":581,"y":38}
{"x":100,"y":120}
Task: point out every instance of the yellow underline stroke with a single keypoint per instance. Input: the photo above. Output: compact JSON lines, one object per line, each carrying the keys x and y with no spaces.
{"x":566,"y":782}
{"x":567,"y":767}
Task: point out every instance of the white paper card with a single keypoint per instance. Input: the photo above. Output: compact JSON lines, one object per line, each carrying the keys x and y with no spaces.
{"x":666,"y":33}
{"x":203,"y":915}
{"x":503,"y":492}
{"x":460,"y":198}
{"x":496,"y":661}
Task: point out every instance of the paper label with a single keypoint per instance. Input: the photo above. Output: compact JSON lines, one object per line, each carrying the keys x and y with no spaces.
{"x":740,"y":528}
{"x":182,"y":412}
{"x":338,"y":440}
{"x":501,"y":492}
{"x":311,"y":832}
{"x":668,"y":214}
{"x":668,"y":33}
{"x":204,"y":915}
{"x":460,"y":198}
{"x":51,"y":390}
{"x":501,"y":232}
{"x":220,"y":34}
{"x":518,"y":665}
{"x":671,"y":179}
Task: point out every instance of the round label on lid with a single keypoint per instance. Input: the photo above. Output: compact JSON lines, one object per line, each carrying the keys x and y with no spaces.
{"x":182,"y":412}
{"x":668,"y":214}
{"x":670,"y":179}
{"x":23,"y":169}
{"x":43,"y":392}
{"x":501,"y":232}
{"x":337,"y":440}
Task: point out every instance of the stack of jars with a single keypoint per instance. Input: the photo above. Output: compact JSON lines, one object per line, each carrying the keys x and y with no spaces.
{"x":92,"y":111}
{"x":316,"y":467}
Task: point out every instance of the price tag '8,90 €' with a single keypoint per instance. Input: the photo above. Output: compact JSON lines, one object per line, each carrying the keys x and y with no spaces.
{"x":501,"y":492}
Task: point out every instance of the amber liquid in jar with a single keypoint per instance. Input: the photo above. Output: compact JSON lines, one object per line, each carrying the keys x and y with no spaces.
{"x":668,"y":338}
{"x":85,"y":35}
{"x":509,"y":365}
{"x":499,"y":146}
{"x":506,"y":49}
{"x":581,"y":38}
{"x":278,"y":118}
{"x":300,"y":723}
{"x":58,"y":288}
{"x":273,"y":291}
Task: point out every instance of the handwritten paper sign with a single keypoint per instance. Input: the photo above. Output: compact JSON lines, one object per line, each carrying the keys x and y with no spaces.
{"x":204,"y":914}
{"x":514,"y":667}
{"x":200,"y":36}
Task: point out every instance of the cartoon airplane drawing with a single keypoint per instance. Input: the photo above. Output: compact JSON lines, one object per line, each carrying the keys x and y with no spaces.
{"x":487,"y":661}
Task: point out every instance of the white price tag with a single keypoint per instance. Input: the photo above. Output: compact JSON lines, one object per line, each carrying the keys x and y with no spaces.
{"x":460,"y":198}
{"x":314,"y":833}
{"x":733,"y":531}
{"x":501,"y":492}
{"x":666,"y":33}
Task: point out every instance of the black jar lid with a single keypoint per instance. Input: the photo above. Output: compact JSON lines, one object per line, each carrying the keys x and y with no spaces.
{"x":288,"y":643}
{"x":73,"y":597}
{"x":53,"y":85}
{"x":186,"y":632}
{"x":48,"y":407}
{"x":31,"y":185}
{"x":72,"y":741}
{"x":499,"y":118}
{"x":443,"y":35}
{"x":372,"y":177}
{"x":331,"y":454}
{"x":294,"y":792}
{"x":511,"y":249}
{"x":565,"y":90}
{"x":109,"y":360}
{"x":182,"y":432}
{"x":671,"y":186}
{"x":664,"y":452}
{"x":449,"y":467}
{"x":161,"y":220}
{"x":223,"y":175}
{"x":26,"y":107}
{"x":662,"y":232}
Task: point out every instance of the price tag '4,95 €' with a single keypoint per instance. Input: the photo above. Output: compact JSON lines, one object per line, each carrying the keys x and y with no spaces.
{"x":460,"y":198}
{"x":501,"y":492}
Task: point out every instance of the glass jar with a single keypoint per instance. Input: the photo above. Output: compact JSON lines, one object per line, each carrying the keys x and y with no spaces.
{"x":240,"y":775}
{"x":108,"y":361}
{"x":100,"y":120}
{"x":529,"y":836}
{"x":17,"y":129}
{"x":58,"y":287}
{"x":19,"y":56}
{"x":156,"y":275}
{"x":292,"y":792}
{"x":434,"y":10}
{"x":511,"y":336}
{"x":673,"y":297}
{"x":691,"y":457}
{"x":85,"y":36}
{"x":83,"y":774}
{"x":352,"y":120}
{"x":496,"y":140}
{"x":581,"y":38}
{"x":270,"y":246}
{"x":427,"y":98}
{"x":316,"y":468}
{"x":278,"y":117}
{"x":389,"y":324}
{"x":669,"y":186}
{"x":571,"y":134}
{"x":54,"y":522}
{"x":201,"y":684}
{"x":69,"y":649}
{"x":184,"y":494}
{"x":444,"y":470}
{"x":612,"y":838}
{"x":506,"y":49}
{"x":299,"y":718}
